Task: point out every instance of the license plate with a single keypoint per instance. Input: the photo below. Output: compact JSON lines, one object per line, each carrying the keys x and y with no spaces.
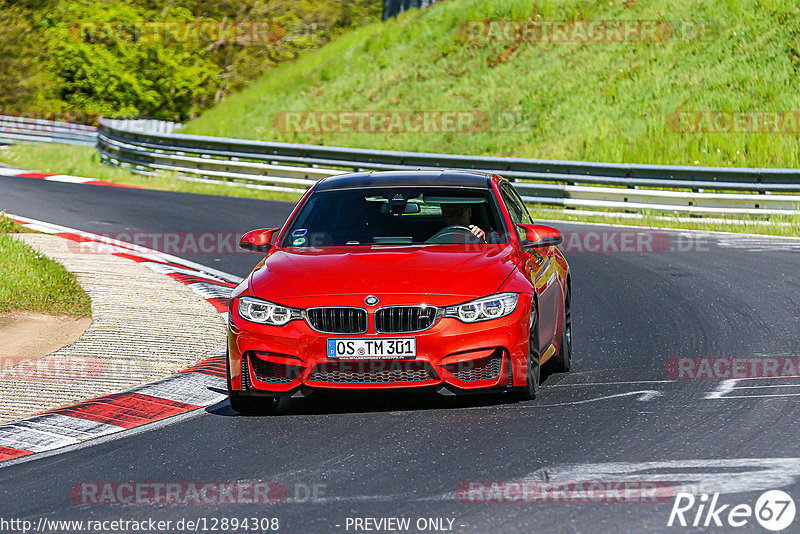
{"x":364,"y":349}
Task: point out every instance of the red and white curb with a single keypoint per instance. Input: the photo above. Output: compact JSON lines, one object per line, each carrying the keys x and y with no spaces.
{"x":20,"y":173}
{"x":199,"y":386}
{"x":211,"y":284}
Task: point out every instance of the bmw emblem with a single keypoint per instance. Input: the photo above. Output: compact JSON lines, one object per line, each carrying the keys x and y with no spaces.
{"x":371,"y":300}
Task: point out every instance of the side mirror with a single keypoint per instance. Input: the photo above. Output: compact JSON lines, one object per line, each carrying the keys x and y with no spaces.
{"x":257,"y":240}
{"x":540,"y":236}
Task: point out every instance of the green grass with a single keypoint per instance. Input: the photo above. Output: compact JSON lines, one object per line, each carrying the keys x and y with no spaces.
{"x":85,"y":161}
{"x":7,"y":226}
{"x":597,"y":101}
{"x":31,"y":282}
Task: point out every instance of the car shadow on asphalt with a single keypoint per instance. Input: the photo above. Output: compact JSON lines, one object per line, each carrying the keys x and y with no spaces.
{"x":354,"y":402}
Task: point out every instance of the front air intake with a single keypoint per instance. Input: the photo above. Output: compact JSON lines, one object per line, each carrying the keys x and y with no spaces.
{"x":275,"y":373}
{"x":373,"y":372}
{"x":480,"y":369}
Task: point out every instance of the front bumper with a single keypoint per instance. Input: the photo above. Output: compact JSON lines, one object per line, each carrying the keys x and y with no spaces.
{"x":462,"y":358}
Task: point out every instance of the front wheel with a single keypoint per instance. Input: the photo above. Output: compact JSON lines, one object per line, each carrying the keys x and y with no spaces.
{"x":246,"y":404}
{"x":531,"y":387}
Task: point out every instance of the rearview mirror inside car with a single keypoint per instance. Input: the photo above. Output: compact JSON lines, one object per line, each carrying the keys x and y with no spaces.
{"x":410,"y":207}
{"x":257,"y":240}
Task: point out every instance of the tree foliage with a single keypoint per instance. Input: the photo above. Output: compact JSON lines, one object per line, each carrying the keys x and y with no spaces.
{"x":53,"y":57}
{"x":21,"y":56}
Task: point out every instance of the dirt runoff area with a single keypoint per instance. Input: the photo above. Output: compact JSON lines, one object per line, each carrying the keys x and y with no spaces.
{"x":26,"y":337}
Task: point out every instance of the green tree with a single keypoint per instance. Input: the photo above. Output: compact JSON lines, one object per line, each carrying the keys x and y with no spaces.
{"x":102,"y":72}
{"x":23,"y":81}
{"x":47,"y":56}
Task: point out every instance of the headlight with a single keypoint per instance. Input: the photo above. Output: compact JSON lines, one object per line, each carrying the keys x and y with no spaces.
{"x":483,"y":309}
{"x":263,"y":312}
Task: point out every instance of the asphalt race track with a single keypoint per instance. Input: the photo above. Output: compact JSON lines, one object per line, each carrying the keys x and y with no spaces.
{"x":401,"y":456}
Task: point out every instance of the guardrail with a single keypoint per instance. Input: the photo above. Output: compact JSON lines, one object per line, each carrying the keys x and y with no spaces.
{"x":295,"y":167}
{"x":148,"y":146}
{"x":14,"y":130}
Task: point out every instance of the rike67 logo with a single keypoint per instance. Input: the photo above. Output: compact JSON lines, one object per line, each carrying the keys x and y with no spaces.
{"x":774,"y":510}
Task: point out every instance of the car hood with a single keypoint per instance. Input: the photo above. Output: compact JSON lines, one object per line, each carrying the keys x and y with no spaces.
{"x":429,"y":269}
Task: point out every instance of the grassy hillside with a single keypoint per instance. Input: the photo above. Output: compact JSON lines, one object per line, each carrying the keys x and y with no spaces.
{"x":601,"y":101}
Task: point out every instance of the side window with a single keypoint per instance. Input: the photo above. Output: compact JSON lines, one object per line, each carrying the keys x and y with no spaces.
{"x":516,"y":209}
{"x":526,"y":216}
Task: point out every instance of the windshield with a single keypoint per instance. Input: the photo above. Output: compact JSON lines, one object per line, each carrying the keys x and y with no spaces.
{"x":397,"y":216}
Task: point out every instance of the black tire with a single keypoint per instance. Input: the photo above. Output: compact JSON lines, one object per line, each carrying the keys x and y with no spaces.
{"x":247,"y":404}
{"x":562,"y":361}
{"x":531,"y":387}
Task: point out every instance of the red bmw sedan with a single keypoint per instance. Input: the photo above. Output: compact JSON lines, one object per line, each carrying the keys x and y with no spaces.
{"x":386,"y":280}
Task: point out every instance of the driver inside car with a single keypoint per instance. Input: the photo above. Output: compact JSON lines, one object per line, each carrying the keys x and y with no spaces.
{"x":460,"y":215}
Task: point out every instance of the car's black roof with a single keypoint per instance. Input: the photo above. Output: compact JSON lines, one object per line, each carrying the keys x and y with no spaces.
{"x":445,"y":178}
